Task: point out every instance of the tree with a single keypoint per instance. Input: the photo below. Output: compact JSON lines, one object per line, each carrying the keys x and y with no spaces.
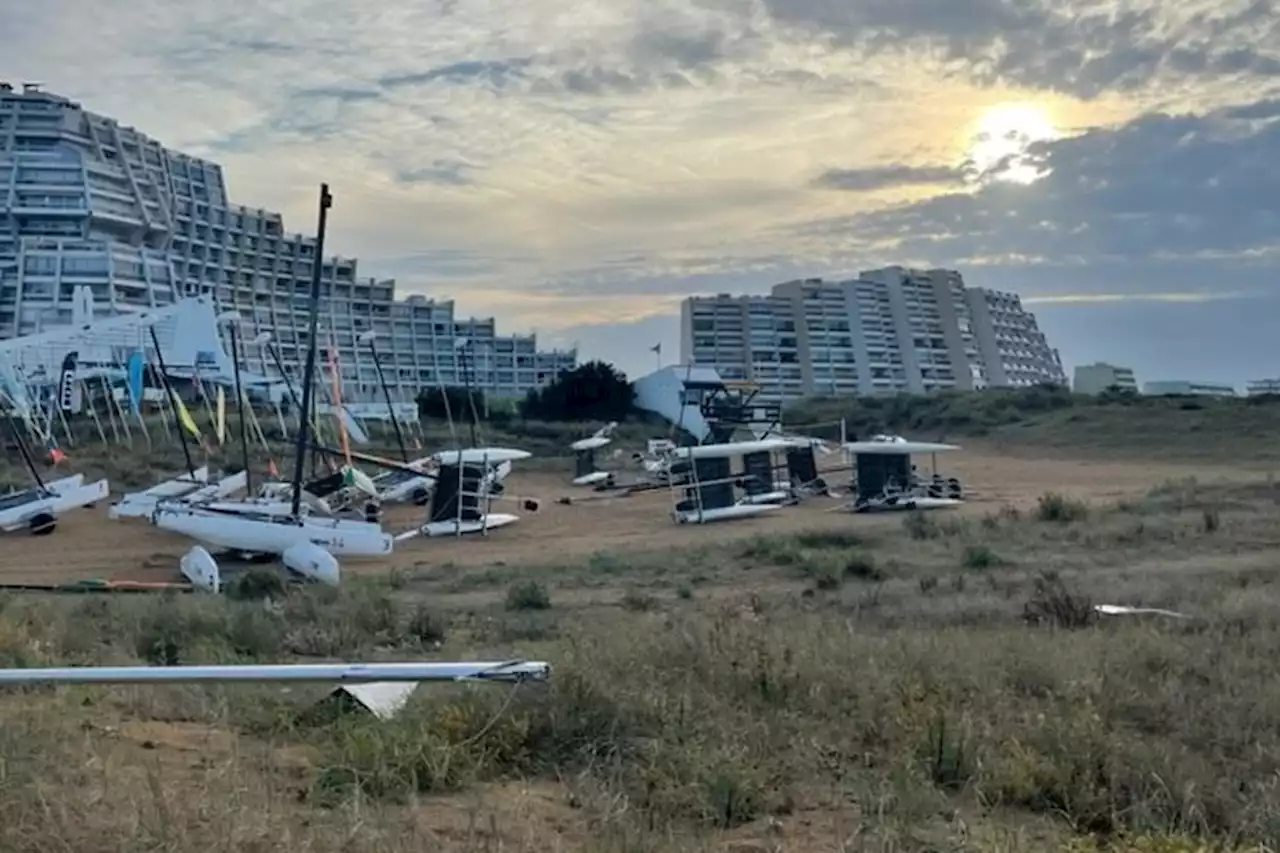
{"x":453,"y":401}
{"x":595,"y":391}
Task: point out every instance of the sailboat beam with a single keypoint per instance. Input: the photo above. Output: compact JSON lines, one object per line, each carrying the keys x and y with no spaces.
{"x":346,"y":673}
{"x":309,"y":372}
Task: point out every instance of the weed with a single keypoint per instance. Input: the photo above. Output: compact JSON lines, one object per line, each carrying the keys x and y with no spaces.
{"x":1053,"y":604}
{"x":426,"y":626}
{"x":980,"y":557}
{"x":638,"y":601}
{"x":1210,"y":520}
{"x":862,"y":567}
{"x":529,"y":595}
{"x":920,"y":526}
{"x":1054,"y":507}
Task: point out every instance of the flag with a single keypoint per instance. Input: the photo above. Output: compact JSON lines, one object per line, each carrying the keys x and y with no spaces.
{"x":134,"y":369}
{"x":271,"y":468}
{"x":657,"y":348}
{"x":220,"y":423}
{"x":67,"y":397}
{"x":56,"y":455}
{"x":184,"y":417}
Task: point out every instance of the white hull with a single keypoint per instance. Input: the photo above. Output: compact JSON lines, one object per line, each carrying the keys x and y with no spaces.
{"x":62,"y":496}
{"x":80,"y":496}
{"x":481,"y":456}
{"x":406,"y":489}
{"x":275,"y":509}
{"x":265,"y":536}
{"x":776,"y":497}
{"x":594,"y":478}
{"x":75,"y":481}
{"x":141,"y":504}
{"x":17,"y":517}
{"x":906,"y":504}
{"x":738,"y":448}
{"x":491,"y":521}
{"x":725,"y":513}
{"x":224,"y":488}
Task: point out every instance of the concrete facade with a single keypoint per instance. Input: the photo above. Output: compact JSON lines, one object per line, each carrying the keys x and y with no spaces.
{"x":1098,"y":377}
{"x":890,"y":331}
{"x":1185,"y":387}
{"x":87,"y":201}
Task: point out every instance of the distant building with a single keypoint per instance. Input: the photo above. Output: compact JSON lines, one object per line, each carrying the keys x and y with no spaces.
{"x":1259,"y":387}
{"x":1099,"y":377}
{"x":86,"y":201}
{"x":892,"y":330}
{"x":1182,"y":387}
{"x":677,"y":393}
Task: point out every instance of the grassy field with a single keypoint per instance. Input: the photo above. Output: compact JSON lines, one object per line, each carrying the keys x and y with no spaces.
{"x":1032,"y":420}
{"x":942,"y":686}
{"x":1039,"y":420}
{"x":939,"y":685}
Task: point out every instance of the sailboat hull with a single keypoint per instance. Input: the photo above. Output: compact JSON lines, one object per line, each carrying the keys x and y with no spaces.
{"x":263,"y":535}
{"x":141,"y":504}
{"x":724,"y":513}
{"x":492,"y":521}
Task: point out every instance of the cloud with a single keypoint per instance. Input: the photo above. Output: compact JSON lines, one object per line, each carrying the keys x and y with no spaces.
{"x":1085,"y":48}
{"x":1106,"y":298}
{"x":1167,"y":186}
{"x":495,"y":73}
{"x":566,"y":163}
{"x":884,"y":177}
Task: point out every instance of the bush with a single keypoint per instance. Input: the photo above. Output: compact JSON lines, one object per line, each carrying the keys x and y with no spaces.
{"x":980,"y":557}
{"x":529,"y":595}
{"x":595,"y":391}
{"x":1054,"y":507}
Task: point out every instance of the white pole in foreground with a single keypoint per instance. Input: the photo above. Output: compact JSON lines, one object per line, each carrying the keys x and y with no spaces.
{"x":348,"y":673}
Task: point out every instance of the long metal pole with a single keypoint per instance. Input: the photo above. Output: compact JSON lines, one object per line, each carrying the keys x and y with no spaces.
{"x":308,"y":374}
{"x":386,"y":393}
{"x":26,"y":454}
{"x":164,"y":378}
{"x":288,"y":383}
{"x":468,"y":364}
{"x":347,"y":673}
{"x":240,"y":405}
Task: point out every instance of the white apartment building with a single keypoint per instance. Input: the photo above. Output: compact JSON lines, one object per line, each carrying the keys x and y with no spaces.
{"x":1186,"y":387}
{"x":1014,"y":351}
{"x":86,"y":201}
{"x":1261,"y":387}
{"x":891,"y":330}
{"x":1098,"y":377}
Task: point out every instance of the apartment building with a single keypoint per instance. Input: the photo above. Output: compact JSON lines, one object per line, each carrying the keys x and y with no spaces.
{"x":1188,"y":388}
{"x":87,"y":201}
{"x":1262,"y":387}
{"x":891,"y":330}
{"x":1015,"y":353}
{"x":1099,"y":377}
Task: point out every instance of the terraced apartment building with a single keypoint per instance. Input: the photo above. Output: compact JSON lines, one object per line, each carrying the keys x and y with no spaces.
{"x":87,"y":201}
{"x":889,"y":330}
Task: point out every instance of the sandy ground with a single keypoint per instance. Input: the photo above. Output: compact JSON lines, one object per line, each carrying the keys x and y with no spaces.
{"x":89,"y":545}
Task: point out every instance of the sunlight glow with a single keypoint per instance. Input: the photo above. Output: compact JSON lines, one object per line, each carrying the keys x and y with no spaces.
{"x":999,"y":146}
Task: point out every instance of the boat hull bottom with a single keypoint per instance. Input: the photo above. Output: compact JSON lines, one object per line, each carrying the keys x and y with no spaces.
{"x":491,"y":521}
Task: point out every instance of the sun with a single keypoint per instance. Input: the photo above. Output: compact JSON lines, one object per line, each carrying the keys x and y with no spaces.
{"x":1000,"y":142}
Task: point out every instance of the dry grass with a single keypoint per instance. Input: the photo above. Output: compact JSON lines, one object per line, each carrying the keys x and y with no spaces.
{"x":943,"y":688}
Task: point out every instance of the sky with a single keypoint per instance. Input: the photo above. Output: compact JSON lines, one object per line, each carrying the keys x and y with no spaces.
{"x":577,"y":167}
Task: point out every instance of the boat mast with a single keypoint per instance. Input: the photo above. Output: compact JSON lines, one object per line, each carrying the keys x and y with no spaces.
{"x":168,"y":387}
{"x":386,"y":393}
{"x":241,"y":402}
{"x":309,"y":372}
{"x":26,"y":454}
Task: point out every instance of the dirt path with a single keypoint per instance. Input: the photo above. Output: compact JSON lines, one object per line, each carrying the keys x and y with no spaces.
{"x":88,"y":545}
